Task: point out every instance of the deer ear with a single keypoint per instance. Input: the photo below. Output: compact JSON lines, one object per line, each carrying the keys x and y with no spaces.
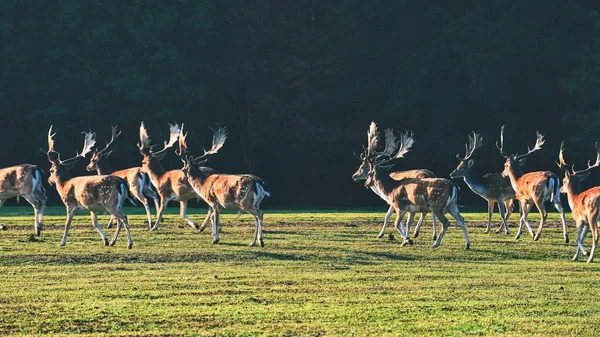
{"x":470,"y":163}
{"x":522,"y":161}
{"x":583,"y":176}
{"x":567,"y":173}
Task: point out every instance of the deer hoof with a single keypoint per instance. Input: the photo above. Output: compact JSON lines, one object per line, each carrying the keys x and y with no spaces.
{"x":435,"y":245}
{"x":403,"y":243}
{"x":38,"y":231}
{"x":584,"y":253}
{"x":468,"y":246}
{"x":434,"y":237}
{"x":567,"y":239}
{"x":202,"y":228}
{"x":262,"y":243}
{"x":410,"y":242}
{"x":129,"y":245}
{"x":380,"y":236}
{"x":536,"y":237}
{"x":106,"y":243}
{"x":112,"y":243}
{"x":416,"y":234}
{"x":197,"y":226}
{"x":507,"y":233}
{"x":215,"y":241}
{"x":486,"y":231}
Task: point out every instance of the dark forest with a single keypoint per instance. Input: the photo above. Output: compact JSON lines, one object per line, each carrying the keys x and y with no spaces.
{"x":298,"y":82}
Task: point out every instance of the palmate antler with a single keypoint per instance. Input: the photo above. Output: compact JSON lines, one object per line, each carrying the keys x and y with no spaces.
{"x":394,"y":148}
{"x":114,"y":135}
{"x":596,"y":163}
{"x":475,"y":142}
{"x":54,"y":156}
{"x":538,"y":145}
{"x":219,"y":137}
{"x":145,"y":146}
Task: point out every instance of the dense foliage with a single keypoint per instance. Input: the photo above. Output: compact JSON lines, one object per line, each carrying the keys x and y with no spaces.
{"x":297,"y":82}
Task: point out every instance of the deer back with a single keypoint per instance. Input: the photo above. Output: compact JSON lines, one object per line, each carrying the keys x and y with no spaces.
{"x":422,"y":173}
{"x":18,"y":180}
{"x":95,"y":193}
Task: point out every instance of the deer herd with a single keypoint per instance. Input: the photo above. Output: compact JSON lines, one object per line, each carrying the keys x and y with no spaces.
{"x":406,"y":192}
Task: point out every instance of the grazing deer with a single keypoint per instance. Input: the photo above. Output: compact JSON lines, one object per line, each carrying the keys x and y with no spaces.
{"x":361,"y":174}
{"x":170,"y":185}
{"x":25,"y":181}
{"x":138,"y":182}
{"x":243,"y":192}
{"x":436,"y":195}
{"x":533,"y":188}
{"x":493,"y":187}
{"x":585,"y":206}
{"x":94,"y":193}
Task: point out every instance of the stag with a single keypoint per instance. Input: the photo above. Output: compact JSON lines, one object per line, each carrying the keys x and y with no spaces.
{"x":138,"y":182}
{"x":25,"y":181}
{"x":93,"y":193}
{"x":363,"y":170}
{"x":533,"y":188}
{"x":436,"y":195}
{"x":243,"y":192}
{"x":493,"y":187}
{"x":585,"y":206}
{"x":170,"y":185}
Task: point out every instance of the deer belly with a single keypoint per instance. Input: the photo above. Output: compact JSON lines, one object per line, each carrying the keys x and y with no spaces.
{"x":7,"y":194}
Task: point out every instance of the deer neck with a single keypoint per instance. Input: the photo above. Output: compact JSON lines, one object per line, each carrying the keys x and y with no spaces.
{"x":383,"y":183}
{"x":514,"y":175}
{"x":573,"y":190}
{"x":102,"y":167}
{"x":197,"y":179}
{"x":155,"y":170}
{"x":473,"y":179}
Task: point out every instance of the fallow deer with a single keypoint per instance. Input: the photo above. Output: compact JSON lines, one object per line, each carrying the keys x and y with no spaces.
{"x":362,"y":172}
{"x":533,"y":188}
{"x":436,"y":195}
{"x":585,"y":206}
{"x":493,"y":187}
{"x":94,"y":193}
{"x":243,"y":192}
{"x":138,"y":182}
{"x":170,"y":185}
{"x":25,"y":181}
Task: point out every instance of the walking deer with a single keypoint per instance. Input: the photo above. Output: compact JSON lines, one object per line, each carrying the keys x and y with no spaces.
{"x":138,"y":182}
{"x":170,"y":185}
{"x":493,"y":187}
{"x":25,"y":181}
{"x":94,"y":193}
{"x":362,"y":172}
{"x":436,"y":195}
{"x":533,"y":188}
{"x":242,"y":192}
{"x":585,"y":206}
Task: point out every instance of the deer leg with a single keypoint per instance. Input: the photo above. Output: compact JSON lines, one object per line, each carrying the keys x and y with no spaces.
{"x":161,"y":210}
{"x":525,"y":212}
{"x":215,"y":224}
{"x":409,"y":221}
{"x":461,"y":222}
{"x":255,"y":214}
{"x":543,"y":216}
{"x":584,"y":232}
{"x":419,"y":223}
{"x":490,"y":211}
{"x":397,"y":224}
{"x":183,"y":213}
{"x":33,"y":202}
{"x":579,"y":238}
{"x":113,"y":241}
{"x":70,"y":212}
{"x":95,"y":223}
{"x":385,"y":221}
{"x":433,"y":226}
{"x":260,"y":228}
{"x":561,"y":210}
{"x":207,"y":219}
{"x":502,"y":209}
{"x":594,"y":229}
{"x":440,"y":216}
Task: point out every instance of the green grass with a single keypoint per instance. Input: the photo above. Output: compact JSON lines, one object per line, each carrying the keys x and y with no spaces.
{"x":320,"y":273}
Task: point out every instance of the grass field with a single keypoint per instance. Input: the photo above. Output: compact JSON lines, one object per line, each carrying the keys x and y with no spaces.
{"x":320,"y":273}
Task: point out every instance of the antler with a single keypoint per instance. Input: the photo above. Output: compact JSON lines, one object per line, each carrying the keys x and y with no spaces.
{"x":391,"y":145}
{"x":174,"y":131}
{"x":88,"y":143}
{"x":475,"y":142}
{"x":403,"y":146}
{"x":562,"y":164}
{"x":596,"y":164}
{"x":115,"y":134}
{"x":372,"y":140}
{"x":144,"y":139}
{"x":51,"y":140}
{"x":501,"y":147}
{"x":182,"y":144}
{"x":538,"y":146}
{"x":219,"y":137}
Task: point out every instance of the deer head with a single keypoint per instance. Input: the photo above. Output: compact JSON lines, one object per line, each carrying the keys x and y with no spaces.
{"x":466,"y":163}
{"x":219,"y":137}
{"x":99,"y":155}
{"x":572,"y":178}
{"x":60,"y":167}
{"x":514,"y":161}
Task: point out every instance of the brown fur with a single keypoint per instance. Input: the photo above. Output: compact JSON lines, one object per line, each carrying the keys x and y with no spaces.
{"x":18,"y":181}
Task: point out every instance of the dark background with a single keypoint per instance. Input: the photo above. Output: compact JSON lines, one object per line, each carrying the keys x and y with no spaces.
{"x":297,"y":83}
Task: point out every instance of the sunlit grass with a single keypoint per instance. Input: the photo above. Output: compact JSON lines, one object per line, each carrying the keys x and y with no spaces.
{"x":320,"y":273}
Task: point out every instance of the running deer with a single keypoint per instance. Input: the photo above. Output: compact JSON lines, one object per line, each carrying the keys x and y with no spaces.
{"x":585,"y":206}
{"x":493,"y":187}
{"x":138,"y":182}
{"x":436,"y":195}
{"x":93,"y":193}
{"x":533,"y":188}
{"x":363,"y":170}
{"x":25,"y":181}
{"x":243,"y":192}
{"x":170,"y":185}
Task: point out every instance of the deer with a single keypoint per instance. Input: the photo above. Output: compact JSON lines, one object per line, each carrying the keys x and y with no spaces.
{"x":170,"y":185}
{"x":436,"y":195}
{"x":25,"y":181}
{"x":243,"y":192}
{"x":585,"y":206}
{"x":363,"y":170}
{"x":493,"y":187}
{"x":138,"y":182}
{"x":93,"y":193}
{"x":533,"y":188}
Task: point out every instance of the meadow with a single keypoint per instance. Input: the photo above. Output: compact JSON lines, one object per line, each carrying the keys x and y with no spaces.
{"x":320,"y":274}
